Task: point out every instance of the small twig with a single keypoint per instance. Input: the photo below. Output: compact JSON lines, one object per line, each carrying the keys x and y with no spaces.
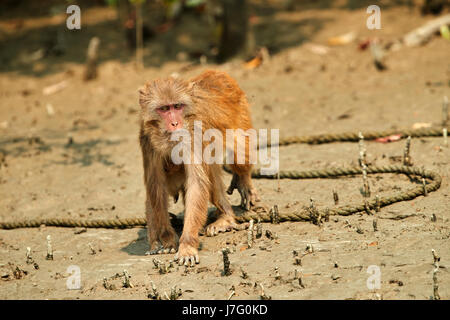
{"x":377,"y":203}
{"x":244,"y":274}
{"x":375,"y":224}
{"x":92,"y":249}
{"x":156,"y":263}
{"x":79,"y":231}
{"x":436,"y":260}
{"x":445,"y":134}
{"x":154,"y":294}
{"x":309,"y":249}
{"x":378,"y":54}
{"x":259,"y":229}
{"x":445,"y":112}
{"x":278,"y":181}
{"x":92,"y":57}
{"x":263,"y":296}
{"x":359,"y":230}
{"x":270,"y":235}
{"x":367,"y":207}
{"x":126,"y":280}
{"x":49,"y":248}
{"x":163,"y":268}
{"x":436,"y":295}
{"x":335,"y":197}
{"x":298,"y":275}
{"x":226,"y":262}
{"x":174,"y":293}
{"x":362,"y":151}
{"x":297,"y":259}
{"x":250,"y":234}
{"x":29,"y":258}
{"x":274,"y":215}
{"x":424,"y":184}
{"x":315,"y":214}
{"x":366,"y":191}
{"x":231,"y":294}
{"x":277,"y":274}
{"x":407,"y":161}
{"x":326,"y":216}
{"x":107,"y":285}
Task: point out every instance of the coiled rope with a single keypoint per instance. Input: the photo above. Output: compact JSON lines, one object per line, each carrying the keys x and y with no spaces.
{"x":433,"y":184}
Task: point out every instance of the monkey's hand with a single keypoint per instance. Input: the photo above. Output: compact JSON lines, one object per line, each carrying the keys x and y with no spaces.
{"x":187,"y":255}
{"x":167,"y":243}
{"x":249,"y":196}
{"x":222,"y":224}
{"x":160,"y":250}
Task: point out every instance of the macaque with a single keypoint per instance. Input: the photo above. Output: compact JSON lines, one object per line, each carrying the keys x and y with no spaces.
{"x":172,"y":104}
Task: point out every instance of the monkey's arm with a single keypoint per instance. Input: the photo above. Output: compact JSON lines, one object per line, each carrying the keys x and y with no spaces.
{"x":161,"y":235}
{"x":197,"y":197}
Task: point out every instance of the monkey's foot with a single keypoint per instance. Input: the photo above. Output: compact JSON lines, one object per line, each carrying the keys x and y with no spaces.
{"x":187,"y":255}
{"x":168,"y":244}
{"x":222,"y":224}
{"x":249,"y":196}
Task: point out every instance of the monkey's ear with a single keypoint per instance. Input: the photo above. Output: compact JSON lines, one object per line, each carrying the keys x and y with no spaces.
{"x":142,"y":90}
{"x":143,"y":95}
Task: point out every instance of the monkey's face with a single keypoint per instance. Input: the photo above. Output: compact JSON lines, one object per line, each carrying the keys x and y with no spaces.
{"x":165,"y":103}
{"x":172,"y":116}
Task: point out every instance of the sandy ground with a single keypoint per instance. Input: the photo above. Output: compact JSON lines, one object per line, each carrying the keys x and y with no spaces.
{"x":83,"y":160}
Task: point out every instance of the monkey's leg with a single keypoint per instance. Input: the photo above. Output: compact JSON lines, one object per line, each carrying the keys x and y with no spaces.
{"x":161,"y":235}
{"x":242,"y":181}
{"x":197,"y":198}
{"x":225,"y":222}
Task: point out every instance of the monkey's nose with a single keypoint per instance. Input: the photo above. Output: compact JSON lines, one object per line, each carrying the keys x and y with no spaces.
{"x":175,"y":123}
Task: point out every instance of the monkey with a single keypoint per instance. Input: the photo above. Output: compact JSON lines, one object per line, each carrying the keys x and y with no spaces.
{"x":167,"y":106}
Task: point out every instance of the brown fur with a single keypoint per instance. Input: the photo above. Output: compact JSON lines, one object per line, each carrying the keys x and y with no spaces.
{"x":214,"y":98}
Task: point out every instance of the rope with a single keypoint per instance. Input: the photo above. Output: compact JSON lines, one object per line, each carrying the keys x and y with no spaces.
{"x":305,"y":214}
{"x":302,"y":215}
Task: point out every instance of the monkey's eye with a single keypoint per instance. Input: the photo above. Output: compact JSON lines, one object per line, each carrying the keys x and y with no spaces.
{"x":178,"y":106}
{"x":164,"y":108}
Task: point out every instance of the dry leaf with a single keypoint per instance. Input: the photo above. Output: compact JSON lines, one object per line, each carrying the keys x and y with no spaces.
{"x":342,"y":39}
{"x":317,"y":48}
{"x":392,"y":138}
{"x":373,"y":244}
{"x":55,"y":88}
{"x":419,"y":125}
{"x":254,"y":63}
